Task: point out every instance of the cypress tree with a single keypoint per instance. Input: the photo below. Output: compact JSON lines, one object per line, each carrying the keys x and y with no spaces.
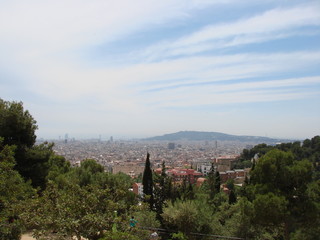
{"x":211,"y":182}
{"x":148,"y":182}
{"x":232,"y":197}
{"x":217,"y":182}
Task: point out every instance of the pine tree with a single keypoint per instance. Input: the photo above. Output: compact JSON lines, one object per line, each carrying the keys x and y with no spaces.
{"x":163,"y":175}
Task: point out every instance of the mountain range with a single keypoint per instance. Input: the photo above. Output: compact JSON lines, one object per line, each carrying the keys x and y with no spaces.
{"x":213,"y":136}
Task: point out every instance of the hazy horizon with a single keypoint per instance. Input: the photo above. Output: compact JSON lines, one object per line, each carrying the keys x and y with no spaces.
{"x":106,"y":137}
{"x":145,"y":68}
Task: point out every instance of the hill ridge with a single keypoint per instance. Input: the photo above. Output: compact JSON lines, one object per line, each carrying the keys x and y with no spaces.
{"x":212,"y":136}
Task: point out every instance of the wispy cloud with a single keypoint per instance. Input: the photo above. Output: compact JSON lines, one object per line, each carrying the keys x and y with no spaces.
{"x":244,"y":92}
{"x":270,"y":25}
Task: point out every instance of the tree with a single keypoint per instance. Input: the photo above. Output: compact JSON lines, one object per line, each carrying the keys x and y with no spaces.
{"x":36,"y":167}
{"x":146,"y":217}
{"x":232,"y":197}
{"x":190,"y":216}
{"x":147,"y":182}
{"x":17,"y":127}
{"x":217,"y":182}
{"x":280,"y":180}
{"x":181,"y":216}
{"x":160,"y":191}
{"x":230,"y":184}
{"x":270,"y":209}
{"x":12,"y":190}
{"x":211,"y":182}
{"x":75,"y":210}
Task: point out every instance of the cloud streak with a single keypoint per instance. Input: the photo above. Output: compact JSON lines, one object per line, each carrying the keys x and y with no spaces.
{"x":270,"y":25}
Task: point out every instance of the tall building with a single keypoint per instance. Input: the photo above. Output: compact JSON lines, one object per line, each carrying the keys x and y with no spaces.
{"x":171,"y":146}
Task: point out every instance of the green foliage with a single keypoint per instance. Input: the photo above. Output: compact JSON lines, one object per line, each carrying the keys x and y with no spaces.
{"x":181,"y":216}
{"x":272,"y":172}
{"x":189,"y":216}
{"x":17,"y":126}
{"x":179,"y":236}
{"x":281,"y":196}
{"x":88,"y":172}
{"x":161,"y":191}
{"x":37,"y":166}
{"x":146,"y":217}
{"x":242,"y":164}
{"x":247,"y":155}
{"x":270,"y":209}
{"x":78,"y":201}
{"x":13,"y":189}
{"x":74,"y":211}
{"x":230,"y":184}
{"x":58,"y":167}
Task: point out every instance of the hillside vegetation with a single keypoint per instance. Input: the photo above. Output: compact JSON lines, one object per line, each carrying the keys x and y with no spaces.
{"x":42,"y":193}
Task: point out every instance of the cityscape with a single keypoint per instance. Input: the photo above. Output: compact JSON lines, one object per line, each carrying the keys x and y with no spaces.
{"x":160,"y":120}
{"x":118,"y":153}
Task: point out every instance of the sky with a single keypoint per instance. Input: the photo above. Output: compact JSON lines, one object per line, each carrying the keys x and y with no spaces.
{"x":132,"y":69}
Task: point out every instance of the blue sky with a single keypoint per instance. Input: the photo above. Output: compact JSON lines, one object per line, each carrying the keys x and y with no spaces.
{"x":144,"y":68}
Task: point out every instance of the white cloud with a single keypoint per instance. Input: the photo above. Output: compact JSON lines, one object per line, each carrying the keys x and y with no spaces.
{"x":195,"y":70}
{"x":247,"y":92}
{"x":270,"y":25}
{"x":127,"y":89}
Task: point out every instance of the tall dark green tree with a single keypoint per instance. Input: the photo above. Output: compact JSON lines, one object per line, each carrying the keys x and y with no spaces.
{"x":147,"y":182}
{"x":232,"y":197}
{"x":210,"y":182}
{"x":217,"y":182}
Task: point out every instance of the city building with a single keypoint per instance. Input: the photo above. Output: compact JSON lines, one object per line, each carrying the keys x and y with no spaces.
{"x":225,"y":163}
{"x":178,"y":175}
{"x":138,"y":189}
{"x":238,"y":174}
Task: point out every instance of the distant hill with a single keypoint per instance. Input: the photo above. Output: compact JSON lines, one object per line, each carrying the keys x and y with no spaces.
{"x":212,"y":136}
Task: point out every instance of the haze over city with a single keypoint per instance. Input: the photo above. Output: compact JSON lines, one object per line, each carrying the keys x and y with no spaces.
{"x":145,"y":68}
